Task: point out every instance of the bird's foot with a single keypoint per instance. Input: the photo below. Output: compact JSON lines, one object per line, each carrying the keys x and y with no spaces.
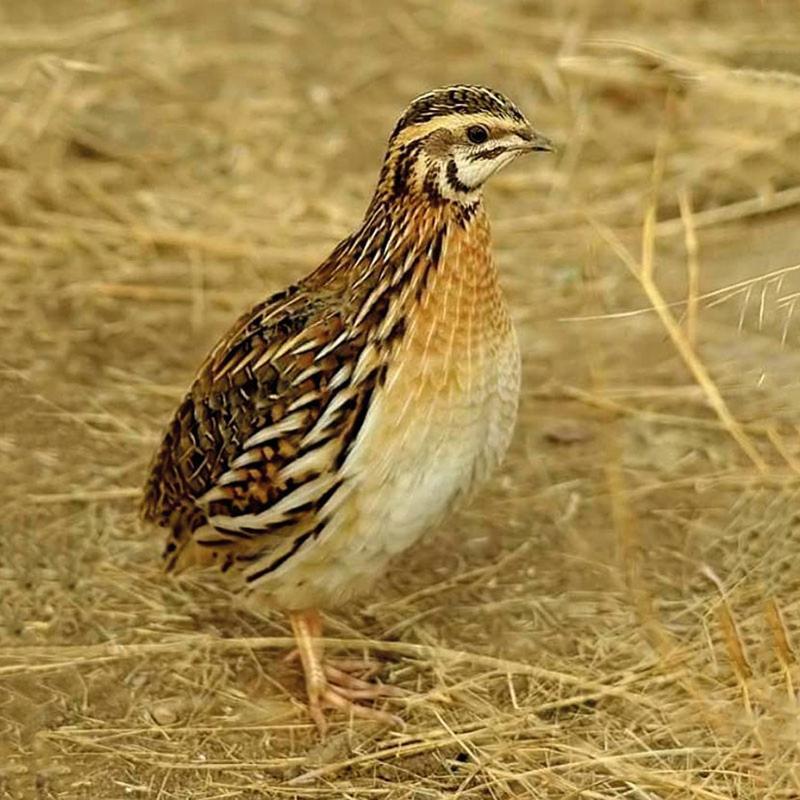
{"x":342,"y":692}
{"x":355,"y":687}
{"x":331,"y":683}
{"x":335,"y":686}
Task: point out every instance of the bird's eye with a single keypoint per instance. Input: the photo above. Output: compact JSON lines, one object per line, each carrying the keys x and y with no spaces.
{"x":477,"y":134}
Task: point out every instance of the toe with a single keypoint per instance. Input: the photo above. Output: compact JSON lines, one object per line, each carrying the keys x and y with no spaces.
{"x":336,"y":699}
{"x":350,"y":684}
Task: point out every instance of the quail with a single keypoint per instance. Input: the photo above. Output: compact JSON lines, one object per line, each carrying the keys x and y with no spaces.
{"x":341,"y":418}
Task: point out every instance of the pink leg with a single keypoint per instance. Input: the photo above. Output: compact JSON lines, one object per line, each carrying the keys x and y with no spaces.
{"x":328,"y":686}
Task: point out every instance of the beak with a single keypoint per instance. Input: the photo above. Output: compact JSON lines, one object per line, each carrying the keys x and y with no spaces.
{"x":536,"y":142}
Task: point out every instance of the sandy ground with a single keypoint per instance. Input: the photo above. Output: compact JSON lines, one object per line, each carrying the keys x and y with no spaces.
{"x":614,"y":616}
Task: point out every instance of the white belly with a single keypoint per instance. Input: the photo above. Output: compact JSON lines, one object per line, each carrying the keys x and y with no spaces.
{"x":440,"y":456}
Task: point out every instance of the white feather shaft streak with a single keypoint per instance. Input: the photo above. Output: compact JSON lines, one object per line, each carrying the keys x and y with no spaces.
{"x":317,"y":461}
{"x":320,"y":429}
{"x":278,"y":512}
{"x":288,"y":424}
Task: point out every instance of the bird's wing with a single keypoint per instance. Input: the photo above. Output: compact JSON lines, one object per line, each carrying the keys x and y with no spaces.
{"x":256,"y":446}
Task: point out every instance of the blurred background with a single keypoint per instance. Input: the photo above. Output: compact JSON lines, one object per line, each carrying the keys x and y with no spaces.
{"x":615,"y":616}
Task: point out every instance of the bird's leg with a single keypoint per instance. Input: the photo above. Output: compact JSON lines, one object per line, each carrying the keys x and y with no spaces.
{"x":362,"y":668}
{"x":326,"y":685}
{"x":307,"y":627}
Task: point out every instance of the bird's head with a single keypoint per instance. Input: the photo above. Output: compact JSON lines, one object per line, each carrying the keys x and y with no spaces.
{"x":449,"y":141}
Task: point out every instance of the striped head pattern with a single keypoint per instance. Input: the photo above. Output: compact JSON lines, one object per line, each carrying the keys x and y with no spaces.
{"x":450,"y":140}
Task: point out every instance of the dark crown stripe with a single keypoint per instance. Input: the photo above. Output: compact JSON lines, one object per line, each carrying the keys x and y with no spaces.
{"x":458,"y":100}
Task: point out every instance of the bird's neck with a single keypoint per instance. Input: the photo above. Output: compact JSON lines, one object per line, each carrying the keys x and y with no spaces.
{"x":406,"y":237}
{"x":414,"y":263}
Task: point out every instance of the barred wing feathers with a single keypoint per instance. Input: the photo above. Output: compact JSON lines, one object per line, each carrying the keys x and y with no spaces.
{"x":250,"y":462}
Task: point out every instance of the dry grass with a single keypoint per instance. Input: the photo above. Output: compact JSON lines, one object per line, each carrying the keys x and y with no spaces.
{"x":617,"y":617}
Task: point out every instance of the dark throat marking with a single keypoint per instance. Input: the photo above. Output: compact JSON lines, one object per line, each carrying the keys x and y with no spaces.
{"x":465,"y":214}
{"x":453,"y":180}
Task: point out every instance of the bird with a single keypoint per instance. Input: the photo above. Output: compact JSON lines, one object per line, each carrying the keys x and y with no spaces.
{"x":343,"y":417}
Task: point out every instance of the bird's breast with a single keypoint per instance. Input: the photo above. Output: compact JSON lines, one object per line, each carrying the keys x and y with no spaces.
{"x":445,"y":416}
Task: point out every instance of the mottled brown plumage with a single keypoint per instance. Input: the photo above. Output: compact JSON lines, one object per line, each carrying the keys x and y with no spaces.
{"x":339,"y":419}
